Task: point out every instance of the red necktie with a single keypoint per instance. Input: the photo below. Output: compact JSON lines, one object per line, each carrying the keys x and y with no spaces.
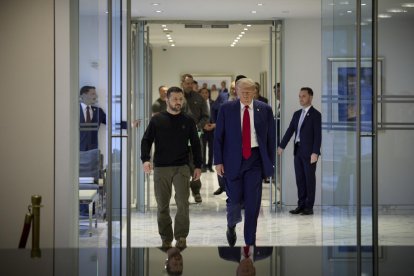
{"x":246,"y":143}
{"x":246,"y":251}
{"x":88,"y":115}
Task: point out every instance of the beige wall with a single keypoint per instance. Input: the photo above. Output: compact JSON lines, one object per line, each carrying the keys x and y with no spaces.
{"x":26,"y":116}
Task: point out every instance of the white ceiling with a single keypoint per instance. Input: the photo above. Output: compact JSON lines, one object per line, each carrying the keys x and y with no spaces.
{"x":175,"y":13}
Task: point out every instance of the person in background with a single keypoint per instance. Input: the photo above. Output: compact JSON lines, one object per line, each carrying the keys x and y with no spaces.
{"x":214,"y":92}
{"x":90,"y":118}
{"x":306,"y":124}
{"x":223,"y":87}
{"x":196,"y":108}
{"x":208,"y":135}
{"x":171,"y":131}
{"x":257,"y":95}
{"x":244,"y":160}
{"x":160,"y":104}
{"x":195,"y":86}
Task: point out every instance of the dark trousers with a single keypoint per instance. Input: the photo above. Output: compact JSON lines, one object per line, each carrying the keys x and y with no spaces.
{"x":305,"y":178}
{"x":247,"y":188}
{"x":207,"y":138}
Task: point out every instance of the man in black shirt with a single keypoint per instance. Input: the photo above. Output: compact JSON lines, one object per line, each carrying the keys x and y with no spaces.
{"x":171,"y":131}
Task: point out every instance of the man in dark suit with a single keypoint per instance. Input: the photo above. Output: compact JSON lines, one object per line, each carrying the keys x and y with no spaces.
{"x":244,"y":151}
{"x":208,"y":133}
{"x":90,"y":118}
{"x":306,"y":124}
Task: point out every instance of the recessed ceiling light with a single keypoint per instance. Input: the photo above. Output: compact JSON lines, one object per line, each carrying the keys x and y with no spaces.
{"x":155,"y":4}
{"x":396,"y":10}
{"x":164,"y":26}
{"x":158,"y":11}
{"x":248,"y":25}
{"x":231,"y":45}
{"x":407,"y":5}
{"x":172,"y":45}
{"x":260,"y":4}
{"x":253,"y":11}
{"x":344,"y":3}
{"x":384,"y":15}
{"x":242,"y":32}
{"x":165,"y":29}
{"x":349,"y":11}
{"x":363,"y":4}
{"x":245,"y":29}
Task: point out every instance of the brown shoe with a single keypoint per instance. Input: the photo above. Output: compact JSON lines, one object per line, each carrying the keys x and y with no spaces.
{"x":197,"y":198}
{"x":181,"y":243}
{"x":166,"y":245}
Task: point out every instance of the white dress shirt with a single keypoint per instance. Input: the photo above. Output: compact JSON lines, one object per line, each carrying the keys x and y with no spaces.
{"x":253,"y":138}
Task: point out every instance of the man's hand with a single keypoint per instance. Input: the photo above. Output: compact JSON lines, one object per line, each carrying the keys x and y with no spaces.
{"x":220,"y":169}
{"x":314,"y":158}
{"x":279,"y":150}
{"x":147,"y":166}
{"x":135,"y":123}
{"x":208,"y":127}
{"x":197,"y":174}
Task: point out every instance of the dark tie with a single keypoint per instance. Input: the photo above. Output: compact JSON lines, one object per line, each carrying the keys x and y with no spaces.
{"x":88,"y":115}
{"x":246,"y":143}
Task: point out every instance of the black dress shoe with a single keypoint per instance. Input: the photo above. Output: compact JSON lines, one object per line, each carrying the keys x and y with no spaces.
{"x":231,"y":235}
{"x":307,"y":212}
{"x":296,"y":211}
{"x":218,"y":191}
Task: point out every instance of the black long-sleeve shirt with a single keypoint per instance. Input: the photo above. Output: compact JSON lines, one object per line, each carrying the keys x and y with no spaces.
{"x":171,"y":134}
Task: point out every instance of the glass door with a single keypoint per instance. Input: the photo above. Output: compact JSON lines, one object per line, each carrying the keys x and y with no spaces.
{"x":348,"y":153}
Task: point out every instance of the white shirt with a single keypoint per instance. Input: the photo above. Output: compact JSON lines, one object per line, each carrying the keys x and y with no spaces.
{"x":84,"y":106}
{"x":253,"y":139}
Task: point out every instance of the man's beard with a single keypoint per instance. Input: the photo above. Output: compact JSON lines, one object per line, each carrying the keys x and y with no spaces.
{"x":175,"y":108}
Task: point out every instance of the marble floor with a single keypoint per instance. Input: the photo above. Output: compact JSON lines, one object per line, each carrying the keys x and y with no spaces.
{"x":328,"y":226}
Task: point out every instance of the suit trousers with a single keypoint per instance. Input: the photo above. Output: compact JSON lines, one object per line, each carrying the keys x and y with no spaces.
{"x":247,"y":188}
{"x":305,"y":178}
{"x":207,"y":138}
{"x":164,"y":178}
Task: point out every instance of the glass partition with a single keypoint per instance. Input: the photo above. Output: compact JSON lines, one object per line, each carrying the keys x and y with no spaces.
{"x":348,"y":134}
{"x":93,"y":134}
{"x":396,"y":126}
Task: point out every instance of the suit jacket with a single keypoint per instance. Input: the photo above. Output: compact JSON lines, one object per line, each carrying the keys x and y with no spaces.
{"x":310,"y":131}
{"x":88,"y":138}
{"x":228,"y":137}
{"x":234,"y":253}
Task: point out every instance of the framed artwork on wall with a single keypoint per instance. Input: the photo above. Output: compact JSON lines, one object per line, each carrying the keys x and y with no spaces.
{"x":342,"y":84}
{"x":213,"y":79}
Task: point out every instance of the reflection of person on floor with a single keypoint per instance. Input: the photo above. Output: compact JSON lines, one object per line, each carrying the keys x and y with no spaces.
{"x":245,"y":256}
{"x":174,"y":262}
{"x":306,"y":125}
{"x":244,"y":147}
{"x":171,"y":131}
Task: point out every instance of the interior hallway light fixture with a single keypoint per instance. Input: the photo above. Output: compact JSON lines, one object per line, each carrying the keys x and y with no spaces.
{"x":407,"y":5}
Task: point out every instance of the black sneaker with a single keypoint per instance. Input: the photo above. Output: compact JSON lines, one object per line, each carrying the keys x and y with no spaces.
{"x":231,"y":236}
